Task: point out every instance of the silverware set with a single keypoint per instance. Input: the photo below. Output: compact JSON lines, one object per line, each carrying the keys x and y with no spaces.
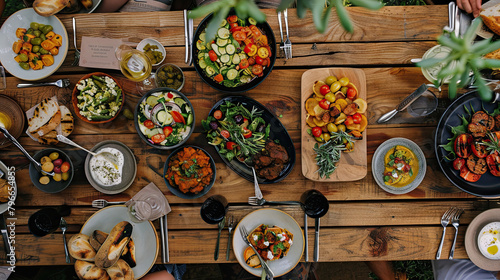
{"x":188,"y":38}
{"x":62,"y":83}
{"x":244,"y":234}
{"x":77,"y":52}
{"x":230,"y":226}
{"x":222,"y":223}
{"x":101,"y":203}
{"x":286,"y":45}
{"x":452,"y":215}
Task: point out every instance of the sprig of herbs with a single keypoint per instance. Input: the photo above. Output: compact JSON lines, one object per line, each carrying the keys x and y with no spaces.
{"x":328,"y":155}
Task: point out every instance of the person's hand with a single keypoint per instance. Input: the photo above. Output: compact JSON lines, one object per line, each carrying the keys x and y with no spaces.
{"x":470,"y":6}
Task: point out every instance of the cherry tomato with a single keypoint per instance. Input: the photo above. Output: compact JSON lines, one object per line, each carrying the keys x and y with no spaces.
{"x":478,"y":149}
{"x":244,"y":63}
{"x":250,"y":49}
{"x":239,"y":35}
{"x":170,"y":95}
{"x":212,"y":55}
{"x":149,"y":124}
{"x":224,"y":133}
{"x":324,"y":89}
{"x":219,"y":78}
{"x":325,"y":104}
{"x":231,"y":145}
{"x":263,"y":52}
{"x":349,"y":120}
{"x":218,"y":114}
{"x":178,"y":118}
{"x":57,"y":162}
{"x":259,"y":60}
{"x":65,"y":166}
{"x":233,"y":18}
{"x":251,"y":61}
{"x":167,"y":130}
{"x":351,"y":93}
{"x":158,"y":138}
{"x":257,"y":69}
{"x":458,"y":163}
{"x":356,"y":118}
{"x":462,"y":145}
{"x":469,"y":176}
{"x":317,"y":131}
{"x":266,"y":62}
{"x":247,"y":133}
{"x":493,"y":162}
{"x":232,"y":26}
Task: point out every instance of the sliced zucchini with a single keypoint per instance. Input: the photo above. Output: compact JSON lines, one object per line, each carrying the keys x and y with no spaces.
{"x":209,"y":46}
{"x":223,"y":33}
{"x":210,"y":70}
{"x":203,"y":36}
{"x":230,"y":49}
{"x":179,"y":101}
{"x":152,"y":100}
{"x":201,"y":55}
{"x":232,"y":74}
{"x":164,"y":117}
{"x":245,"y":79}
{"x":200,"y":45}
{"x":222,"y":42}
{"x":222,"y":50}
{"x":252,"y":21}
{"x":216,"y":49}
{"x":236,"y":59}
{"x":224,"y":58}
{"x":152,"y":132}
{"x":242,"y":55}
{"x":190,"y":119}
{"x":223,"y":23}
{"x":202,"y":63}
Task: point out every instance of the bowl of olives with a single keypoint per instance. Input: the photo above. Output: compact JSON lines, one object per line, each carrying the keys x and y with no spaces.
{"x":169,"y":75}
{"x":52,"y":160}
{"x":153,"y":49}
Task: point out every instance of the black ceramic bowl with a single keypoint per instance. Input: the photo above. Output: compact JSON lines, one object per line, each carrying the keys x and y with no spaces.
{"x":175,"y":190}
{"x":266,"y":30}
{"x":140,"y":128}
{"x":53,"y":186}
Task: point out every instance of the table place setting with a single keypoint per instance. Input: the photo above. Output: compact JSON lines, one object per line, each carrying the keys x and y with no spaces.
{"x":451,"y":216}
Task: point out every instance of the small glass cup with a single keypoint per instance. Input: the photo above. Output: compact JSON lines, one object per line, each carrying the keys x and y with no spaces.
{"x":3,"y":83}
{"x":136,"y":66}
{"x":140,"y":210}
{"x":424,"y":105}
{"x":214,"y":209}
{"x":44,"y":221}
{"x":314,"y":203}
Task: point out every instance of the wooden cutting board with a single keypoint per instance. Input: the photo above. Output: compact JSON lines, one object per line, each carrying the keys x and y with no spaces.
{"x":352,"y":166}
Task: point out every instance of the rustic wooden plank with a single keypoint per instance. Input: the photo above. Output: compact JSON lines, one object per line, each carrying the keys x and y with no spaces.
{"x":340,"y":214}
{"x":337,"y":244}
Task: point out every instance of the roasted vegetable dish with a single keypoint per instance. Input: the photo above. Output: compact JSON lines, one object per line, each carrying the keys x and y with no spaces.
{"x":165,"y":118}
{"x":99,"y":98}
{"x":36,"y":46}
{"x":401,"y":166}
{"x":272,"y":243}
{"x":189,"y":170}
{"x":239,"y":53}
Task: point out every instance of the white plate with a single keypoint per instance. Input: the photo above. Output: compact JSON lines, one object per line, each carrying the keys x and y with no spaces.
{"x":270,"y":217}
{"x":378,"y":165}
{"x":471,"y":235}
{"x":95,"y":4}
{"x":150,"y":41}
{"x":144,"y":235}
{"x":5,"y":170}
{"x":23,"y":19}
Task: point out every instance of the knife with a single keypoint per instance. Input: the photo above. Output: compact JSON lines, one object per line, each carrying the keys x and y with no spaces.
{"x":164,"y":237}
{"x":404,"y":104}
{"x":5,"y":235}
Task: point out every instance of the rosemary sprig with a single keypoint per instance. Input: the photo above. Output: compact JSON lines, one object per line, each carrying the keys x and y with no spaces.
{"x":328,"y":155}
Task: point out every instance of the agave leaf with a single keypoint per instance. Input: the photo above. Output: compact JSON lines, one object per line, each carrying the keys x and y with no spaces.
{"x":452,"y":87}
{"x":204,"y":10}
{"x":484,"y":91}
{"x":254,"y":11}
{"x":344,"y":18}
{"x":464,"y":78}
{"x":317,"y":7}
{"x":489,"y":48}
{"x":301,"y":8}
{"x":470,"y":34}
{"x":214,"y":23}
{"x":369,"y":4}
{"x":242,"y":9}
{"x":285,"y":4}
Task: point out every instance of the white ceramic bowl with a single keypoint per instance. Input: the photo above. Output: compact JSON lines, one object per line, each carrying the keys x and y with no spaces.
{"x":150,"y":41}
{"x":23,"y":19}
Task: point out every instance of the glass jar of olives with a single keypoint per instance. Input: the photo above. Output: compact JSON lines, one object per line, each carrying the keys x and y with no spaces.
{"x":169,"y":75}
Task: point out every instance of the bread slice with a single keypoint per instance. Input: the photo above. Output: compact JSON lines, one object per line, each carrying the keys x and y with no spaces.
{"x":128,"y":254}
{"x":89,"y":271}
{"x":80,"y":248}
{"x":491,"y":18}
{"x":48,"y":8}
{"x":49,"y":138}
{"x":112,"y":248}
{"x":67,"y":121}
{"x":120,"y":271}
{"x":46,"y":117}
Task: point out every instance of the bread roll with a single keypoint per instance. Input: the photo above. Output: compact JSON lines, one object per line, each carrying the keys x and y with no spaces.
{"x":46,"y":117}
{"x":80,"y":248}
{"x":120,"y":271}
{"x":89,"y":271}
{"x":4,"y":190}
{"x":491,"y":17}
{"x":47,"y":8}
{"x":128,"y":254}
{"x":112,"y":248}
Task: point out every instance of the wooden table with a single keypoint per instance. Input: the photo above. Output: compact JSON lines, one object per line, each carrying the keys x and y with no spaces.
{"x":364,"y":222}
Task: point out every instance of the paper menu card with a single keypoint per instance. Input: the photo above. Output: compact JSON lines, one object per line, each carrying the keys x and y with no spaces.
{"x":99,"y":52}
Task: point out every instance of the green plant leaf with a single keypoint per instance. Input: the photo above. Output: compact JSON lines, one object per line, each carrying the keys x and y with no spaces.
{"x":214,"y":23}
{"x":285,"y":4}
{"x":448,"y":42}
{"x":452,"y":87}
{"x":484,"y":91}
{"x":470,"y":34}
{"x":369,"y":4}
{"x":344,"y":18}
{"x":492,"y":63}
{"x":317,"y":7}
{"x":487,"y":49}
{"x":204,"y":10}
{"x":242,"y":8}
{"x":301,"y":8}
{"x":254,"y":11}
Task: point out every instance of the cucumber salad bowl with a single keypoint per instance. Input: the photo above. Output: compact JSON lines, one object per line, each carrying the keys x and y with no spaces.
{"x":240,"y":57}
{"x":164,"y":118}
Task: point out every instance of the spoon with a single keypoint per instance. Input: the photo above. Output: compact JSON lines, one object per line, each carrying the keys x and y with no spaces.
{"x":106,"y":155}
{"x":62,"y":83}
{"x":315,"y":205}
{"x":38,"y":166}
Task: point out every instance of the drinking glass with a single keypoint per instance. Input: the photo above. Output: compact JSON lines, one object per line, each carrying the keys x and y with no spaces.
{"x":44,"y":221}
{"x":424,"y":105}
{"x":214,"y":209}
{"x":136,"y":66}
{"x":140,"y":210}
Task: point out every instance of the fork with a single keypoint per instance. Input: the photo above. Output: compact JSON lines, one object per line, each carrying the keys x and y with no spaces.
{"x":288,"y":43}
{"x":265,"y":266}
{"x":101,"y":203}
{"x":230,"y":226}
{"x":445,"y":220}
{"x":77,"y":52}
{"x":257,"y":202}
{"x":455,"y":222}
{"x":64,"y":226}
{"x":62,"y":83}
{"x":282,"y":46}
